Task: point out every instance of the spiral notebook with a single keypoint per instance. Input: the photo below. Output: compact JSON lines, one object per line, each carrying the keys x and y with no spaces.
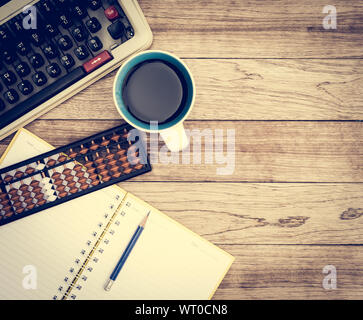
{"x":69,"y":251}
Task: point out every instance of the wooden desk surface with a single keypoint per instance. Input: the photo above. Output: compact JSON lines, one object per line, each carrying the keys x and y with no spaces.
{"x":293,"y":93}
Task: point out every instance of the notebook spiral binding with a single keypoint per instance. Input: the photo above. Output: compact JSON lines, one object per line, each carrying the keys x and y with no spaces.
{"x":91,"y":253}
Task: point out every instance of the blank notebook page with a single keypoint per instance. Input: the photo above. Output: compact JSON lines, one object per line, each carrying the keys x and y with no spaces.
{"x":168,"y":261}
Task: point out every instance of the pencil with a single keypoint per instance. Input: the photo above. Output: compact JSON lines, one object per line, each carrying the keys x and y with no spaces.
{"x":126,"y":253}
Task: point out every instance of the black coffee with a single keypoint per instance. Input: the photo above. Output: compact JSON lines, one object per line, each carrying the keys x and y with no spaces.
{"x":154,"y":91}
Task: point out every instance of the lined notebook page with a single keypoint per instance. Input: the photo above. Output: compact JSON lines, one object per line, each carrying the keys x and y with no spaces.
{"x":168,"y":261}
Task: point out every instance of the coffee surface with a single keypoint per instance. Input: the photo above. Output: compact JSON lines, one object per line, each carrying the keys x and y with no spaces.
{"x":154,"y":91}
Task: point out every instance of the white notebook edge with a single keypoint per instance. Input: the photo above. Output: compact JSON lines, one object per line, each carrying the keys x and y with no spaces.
{"x":228,"y":255}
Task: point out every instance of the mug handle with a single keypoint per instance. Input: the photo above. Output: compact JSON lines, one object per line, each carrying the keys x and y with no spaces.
{"x":175,"y":138}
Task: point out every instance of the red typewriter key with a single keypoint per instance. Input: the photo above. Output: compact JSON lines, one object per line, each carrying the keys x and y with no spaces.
{"x":94,"y":146}
{"x":41,"y":202}
{"x":29,"y":170}
{"x":62,"y":158}
{"x":51,"y":162}
{"x":72,"y":154}
{"x":56,"y":175}
{"x":83,"y":150}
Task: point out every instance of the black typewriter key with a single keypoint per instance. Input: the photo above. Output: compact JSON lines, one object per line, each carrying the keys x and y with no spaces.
{"x":36,"y":38}
{"x":11,"y":96}
{"x":36,"y":60}
{"x":46,"y":8}
{"x":81,"y":52}
{"x":22,"y":69}
{"x":78,"y":11}
{"x":9,"y":78}
{"x":8,"y":56}
{"x":2,"y":105}
{"x":67,"y":61}
{"x":25,"y":87}
{"x":5,"y":34}
{"x":94,"y":4}
{"x":54,"y":70}
{"x":93,"y":25}
{"x":65,"y":20}
{"x":65,"y":43}
{"x":50,"y":51}
{"x":116,"y":29}
{"x":95,"y":44}
{"x":22,"y":48}
{"x":51,"y":30}
{"x":39,"y":78}
{"x":78,"y":33}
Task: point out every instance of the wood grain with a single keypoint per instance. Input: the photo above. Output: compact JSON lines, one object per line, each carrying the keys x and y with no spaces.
{"x":292,"y":272}
{"x":233,"y":89}
{"x":246,"y":213}
{"x":264,"y":151}
{"x":255,"y":29}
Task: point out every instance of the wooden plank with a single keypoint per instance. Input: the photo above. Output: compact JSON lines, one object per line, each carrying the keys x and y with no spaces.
{"x":245,"y":213}
{"x":232,"y":89}
{"x":264,"y":151}
{"x":254,"y":29}
{"x":292,"y":272}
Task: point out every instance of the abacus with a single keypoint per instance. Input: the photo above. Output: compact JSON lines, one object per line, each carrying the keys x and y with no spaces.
{"x":71,"y":171}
